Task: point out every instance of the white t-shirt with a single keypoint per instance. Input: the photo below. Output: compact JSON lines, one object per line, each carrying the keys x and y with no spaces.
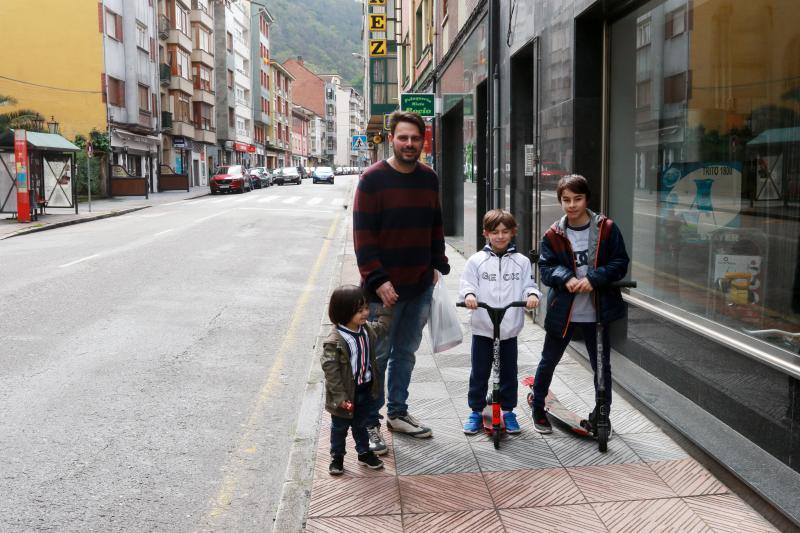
{"x":582,"y":308}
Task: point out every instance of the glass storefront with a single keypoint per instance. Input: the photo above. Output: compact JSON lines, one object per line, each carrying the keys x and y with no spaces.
{"x":705,"y":130}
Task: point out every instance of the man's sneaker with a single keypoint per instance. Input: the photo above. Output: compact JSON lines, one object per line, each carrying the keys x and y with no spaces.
{"x":473,"y":423}
{"x":376,"y":442}
{"x":512,"y":426}
{"x":370,"y":460}
{"x":540,"y":422}
{"x":337,"y":465}
{"x":409,"y":425}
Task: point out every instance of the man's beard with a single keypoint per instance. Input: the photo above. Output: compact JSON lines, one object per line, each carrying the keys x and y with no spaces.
{"x":405,"y":158}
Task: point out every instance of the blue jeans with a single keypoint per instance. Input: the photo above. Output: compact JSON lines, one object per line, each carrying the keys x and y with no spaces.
{"x":552,"y":351}
{"x":340,"y":424}
{"x":482,"y":369}
{"x":395,"y":354}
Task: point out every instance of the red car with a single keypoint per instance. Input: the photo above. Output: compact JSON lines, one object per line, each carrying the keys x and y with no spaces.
{"x":230,"y":178}
{"x":551,"y":173}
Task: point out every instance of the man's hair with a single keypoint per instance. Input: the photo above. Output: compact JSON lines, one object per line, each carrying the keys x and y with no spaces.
{"x":406,"y":116}
{"x":574,"y":183}
{"x":495,"y":217}
{"x":346,"y":301}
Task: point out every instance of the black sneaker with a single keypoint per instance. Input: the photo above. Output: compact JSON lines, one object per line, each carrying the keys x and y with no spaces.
{"x":337,"y":465}
{"x":370,"y":460}
{"x":540,"y":422}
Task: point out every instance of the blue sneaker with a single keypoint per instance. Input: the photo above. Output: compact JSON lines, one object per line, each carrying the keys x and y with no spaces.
{"x":473,"y":423}
{"x":512,"y":426}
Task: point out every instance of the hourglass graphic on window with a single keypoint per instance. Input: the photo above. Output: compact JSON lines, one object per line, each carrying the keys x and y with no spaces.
{"x":702,"y":197}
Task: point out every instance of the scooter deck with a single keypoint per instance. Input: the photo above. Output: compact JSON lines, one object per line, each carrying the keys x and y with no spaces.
{"x":559,"y":412}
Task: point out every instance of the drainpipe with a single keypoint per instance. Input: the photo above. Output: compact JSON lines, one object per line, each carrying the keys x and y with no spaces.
{"x":495,"y":196}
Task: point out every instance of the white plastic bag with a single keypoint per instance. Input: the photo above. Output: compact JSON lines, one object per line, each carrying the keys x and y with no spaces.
{"x":443,"y":324}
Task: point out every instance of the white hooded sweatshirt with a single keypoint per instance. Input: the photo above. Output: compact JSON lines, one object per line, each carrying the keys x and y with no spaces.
{"x":498,"y":281}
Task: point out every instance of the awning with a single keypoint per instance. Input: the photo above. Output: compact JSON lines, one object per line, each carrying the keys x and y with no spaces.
{"x":45,"y":142}
{"x":777,"y":136}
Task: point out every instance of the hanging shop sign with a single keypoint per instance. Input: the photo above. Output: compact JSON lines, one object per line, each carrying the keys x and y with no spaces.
{"x":377,"y":48}
{"x":240,"y":147}
{"x":421,"y":103}
{"x":377,"y":22}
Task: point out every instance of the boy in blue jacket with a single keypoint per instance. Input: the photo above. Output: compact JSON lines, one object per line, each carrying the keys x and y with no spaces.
{"x":580,"y":255}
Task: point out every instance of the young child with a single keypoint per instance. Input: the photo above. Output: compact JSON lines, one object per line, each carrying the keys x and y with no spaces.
{"x":581,"y":252}
{"x":497,"y":275}
{"x":348,"y":361}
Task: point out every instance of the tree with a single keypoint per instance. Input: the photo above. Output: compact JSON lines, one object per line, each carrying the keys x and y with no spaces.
{"x":7,"y":100}
{"x":20,"y":119}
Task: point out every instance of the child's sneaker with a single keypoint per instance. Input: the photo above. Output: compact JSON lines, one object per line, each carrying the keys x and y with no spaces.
{"x":337,"y":465}
{"x":510,"y":420}
{"x":376,"y":442}
{"x":540,"y":422}
{"x":409,"y":425}
{"x":370,"y":460}
{"x":473,"y":423}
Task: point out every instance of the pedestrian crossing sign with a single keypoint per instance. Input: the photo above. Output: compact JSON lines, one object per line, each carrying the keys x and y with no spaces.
{"x":358,"y":143}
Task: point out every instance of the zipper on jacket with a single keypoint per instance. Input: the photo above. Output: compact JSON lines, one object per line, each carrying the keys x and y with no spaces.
{"x":596,"y":259}
{"x":574,"y":271}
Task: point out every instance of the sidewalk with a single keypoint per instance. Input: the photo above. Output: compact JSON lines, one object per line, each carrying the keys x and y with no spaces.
{"x":452,"y":482}
{"x":101,"y":208}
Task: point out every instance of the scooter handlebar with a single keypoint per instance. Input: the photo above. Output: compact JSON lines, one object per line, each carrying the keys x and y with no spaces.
{"x":490,"y":308}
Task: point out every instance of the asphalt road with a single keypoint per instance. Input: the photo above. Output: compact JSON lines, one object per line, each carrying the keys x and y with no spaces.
{"x":152,"y":364}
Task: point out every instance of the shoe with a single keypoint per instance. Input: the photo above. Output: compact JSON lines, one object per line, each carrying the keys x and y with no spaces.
{"x":541,"y":423}
{"x":591,"y":423}
{"x":376,"y":442}
{"x":370,"y":460}
{"x":473,"y":423}
{"x":337,"y":465}
{"x":510,"y":420}
{"x":409,"y":425}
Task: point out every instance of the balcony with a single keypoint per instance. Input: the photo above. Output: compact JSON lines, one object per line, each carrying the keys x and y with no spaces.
{"x":163,"y":26}
{"x":165,"y":73}
{"x":183,"y":129}
{"x":166,"y":120}
{"x":202,"y":95}
{"x":198,"y":14}
{"x":208,"y":135}
{"x":179,"y":83}
{"x":201,"y":56}
{"x":181,"y":39}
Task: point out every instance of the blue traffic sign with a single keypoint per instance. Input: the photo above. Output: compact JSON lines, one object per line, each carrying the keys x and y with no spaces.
{"x":358,"y":143}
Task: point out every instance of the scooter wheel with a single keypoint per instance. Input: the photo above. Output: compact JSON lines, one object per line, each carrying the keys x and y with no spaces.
{"x":602,"y":439}
{"x":496,"y":440}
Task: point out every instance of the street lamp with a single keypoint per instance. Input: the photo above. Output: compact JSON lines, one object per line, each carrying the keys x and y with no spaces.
{"x":52,"y":126}
{"x":37,"y":123}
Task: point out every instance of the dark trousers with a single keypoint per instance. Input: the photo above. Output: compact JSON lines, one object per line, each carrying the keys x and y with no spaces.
{"x":552,"y":351}
{"x":482,"y":369}
{"x":357,"y":424}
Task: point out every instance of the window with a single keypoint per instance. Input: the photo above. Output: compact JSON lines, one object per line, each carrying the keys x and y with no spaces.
{"x":418,"y":34}
{"x":202,"y":78}
{"x":241,"y":127}
{"x":144,"y":99}
{"x":113,"y":25}
{"x":182,"y":107}
{"x":231,"y":117}
{"x":675,"y":89}
{"x":116,"y":92}
{"x":240,"y":95}
{"x":180,"y":62}
{"x":229,"y":42}
{"x":675,"y":23}
{"x":202,"y":5}
{"x":141,"y":37}
{"x":644,"y":94}
{"x":202,"y":38}
{"x":181,"y":18}
{"x":230,"y":79}
{"x":203,"y":116}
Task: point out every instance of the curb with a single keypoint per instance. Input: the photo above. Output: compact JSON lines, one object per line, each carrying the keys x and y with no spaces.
{"x":55,"y":225}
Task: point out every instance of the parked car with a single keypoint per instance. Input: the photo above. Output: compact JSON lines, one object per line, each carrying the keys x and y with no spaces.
{"x":259,"y":177}
{"x":322,"y":174}
{"x":255,"y":178}
{"x":551,"y":173}
{"x":287,"y":175}
{"x":229,"y":178}
{"x":302,"y":171}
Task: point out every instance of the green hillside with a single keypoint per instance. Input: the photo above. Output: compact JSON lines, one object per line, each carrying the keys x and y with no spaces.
{"x":323,"y":32}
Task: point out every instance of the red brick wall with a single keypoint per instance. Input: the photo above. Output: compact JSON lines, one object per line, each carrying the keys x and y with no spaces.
{"x":308,"y":89}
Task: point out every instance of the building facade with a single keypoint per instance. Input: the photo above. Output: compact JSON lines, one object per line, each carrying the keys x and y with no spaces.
{"x":260,"y":21}
{"x":283,"y":82}
{"x":319,"y":96}
{"x":349,"y":122}
{"x":683,"y":116}
{"x":301,"y":135}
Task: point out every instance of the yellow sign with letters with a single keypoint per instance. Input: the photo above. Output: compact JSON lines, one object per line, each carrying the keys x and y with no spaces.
{"x":377,"y":22}
{"x":377,"y":2}
{"x":377,"y":47}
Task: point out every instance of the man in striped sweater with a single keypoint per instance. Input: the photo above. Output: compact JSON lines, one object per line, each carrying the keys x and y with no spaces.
{"x":399,"y":245}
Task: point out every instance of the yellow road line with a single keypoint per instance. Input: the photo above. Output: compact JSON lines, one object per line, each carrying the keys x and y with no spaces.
{"x":246,"y":445}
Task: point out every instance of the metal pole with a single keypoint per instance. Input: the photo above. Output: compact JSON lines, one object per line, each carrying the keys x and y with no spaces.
{"x":89,"y":181}
{"x":497,"y":189}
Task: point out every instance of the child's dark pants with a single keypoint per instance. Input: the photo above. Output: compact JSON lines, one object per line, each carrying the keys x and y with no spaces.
{"x":482,"y":368}
{"x":340,"y":425}
{"x":552,"y":351}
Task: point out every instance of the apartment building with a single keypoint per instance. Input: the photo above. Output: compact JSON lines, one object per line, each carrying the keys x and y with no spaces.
{"x":316,"y":134}
{"x":131,"y":79}
{"x":282,"y":90}
{"x":186,"y":47}
{"x":233,"y":83}
{"x":349,"y":122}
{"x":301,"y":127}
{"x":263,"y":131}
{"x":318,"y":95}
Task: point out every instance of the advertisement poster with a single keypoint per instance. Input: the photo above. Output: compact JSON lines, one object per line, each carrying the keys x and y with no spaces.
{"x":703,"y":197}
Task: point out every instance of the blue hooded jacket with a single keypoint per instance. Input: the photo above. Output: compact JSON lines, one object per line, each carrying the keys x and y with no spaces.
{"x":608,"y":262}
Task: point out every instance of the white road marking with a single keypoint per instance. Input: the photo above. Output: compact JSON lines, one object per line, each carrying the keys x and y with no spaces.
{"x":79,"y":261}
{"x":291,"y":199}
{"x":314,"y":201}
{"x":293,"y":210}
{"x":337,"y":201}
{"x":154,"y":215}
{"x":163,"y":232}
{"x":173,"y":203}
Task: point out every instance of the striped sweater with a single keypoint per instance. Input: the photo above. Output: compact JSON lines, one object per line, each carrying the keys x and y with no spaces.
{"x":397,"y":229}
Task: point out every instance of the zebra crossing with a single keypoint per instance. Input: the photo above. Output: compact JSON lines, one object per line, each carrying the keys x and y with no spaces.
{"x":280,"y":200}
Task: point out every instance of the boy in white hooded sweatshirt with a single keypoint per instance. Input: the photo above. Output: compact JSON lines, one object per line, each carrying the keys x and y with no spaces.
{"x":497,"y":276}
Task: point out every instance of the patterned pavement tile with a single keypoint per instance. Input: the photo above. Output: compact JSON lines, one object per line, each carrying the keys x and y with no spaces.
{"x":487,"y":521}
{"x":583,"y":452}
{"x":433,"y":457}
{"x":533,"y":488}
{"x":425,"y":375}
{"x":514,"y":454}
{"x":425,"y":408}
{"x":562,"y":519}
{"x":427,"y":390}
{"x":356,"y":524}
{"x":424,"y":361}
{"x":354,"y":497}
{"x":458,"y":390}
{"x":452,"y":359}
{"x":451,"y":492}
{"x":619,"y":482}
{"x":631,"y":421}
{"x":455,"y":373}
{"x":654,"y":446}
{"x":450,"y":429}
{"x":666,"y":514}
{"x":727,"y":512}
{"x":687,"y":477}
